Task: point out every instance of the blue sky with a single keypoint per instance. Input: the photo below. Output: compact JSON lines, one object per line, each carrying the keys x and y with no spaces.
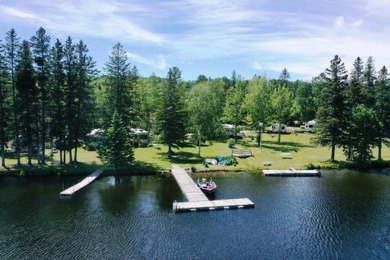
{"x":214,"y":37}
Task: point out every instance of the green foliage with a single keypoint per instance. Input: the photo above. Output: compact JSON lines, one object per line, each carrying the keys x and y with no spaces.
{"x":172,"y":114}
{"x":205,"y":106}
{"x":331,"y":114}
{"x":231,"y":143}
{"x":116,"y":149}
{"x":364,"y":128}
{"x":120,"y":81}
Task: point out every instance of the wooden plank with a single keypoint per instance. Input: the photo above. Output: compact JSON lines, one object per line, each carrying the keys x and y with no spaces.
{"x":70,"y":191}
{"x":292,"y":173}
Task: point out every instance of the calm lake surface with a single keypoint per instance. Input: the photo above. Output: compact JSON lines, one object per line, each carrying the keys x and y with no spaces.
{"x":343,"y":215}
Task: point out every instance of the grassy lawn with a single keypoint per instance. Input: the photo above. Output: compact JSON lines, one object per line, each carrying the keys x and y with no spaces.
{"x":151,"y":159}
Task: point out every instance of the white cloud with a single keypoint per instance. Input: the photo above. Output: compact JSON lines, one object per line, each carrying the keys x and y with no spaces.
{"x":157,"y":62}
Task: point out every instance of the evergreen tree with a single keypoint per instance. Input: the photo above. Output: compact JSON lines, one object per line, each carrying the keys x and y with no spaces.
{"x":120,"y":81}
{"x":4,"y":104}
{"x":27,"y":99}
{"x":171,"y":117}
{"x":331,"y":118}
{"x":369,"y":83}
{"x":85,"y":69}
{"x":11,"y":46}
{"x":70,"y":96}
{"x":382,"y":108}
{"x":40,"y":44}
{"x":58,"y":102}
{"x":116,"y":149}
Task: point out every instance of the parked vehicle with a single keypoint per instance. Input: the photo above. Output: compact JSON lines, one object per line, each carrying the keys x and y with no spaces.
{"x":310,"y":126}
{"x":140,"y":137}
{"x":275,"y":128}
{"x":232,"y":132}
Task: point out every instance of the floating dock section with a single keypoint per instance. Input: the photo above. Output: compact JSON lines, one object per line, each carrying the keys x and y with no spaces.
{"x":70,"y":191}
{"x":196,"y":198}
{"x":292,"y":173}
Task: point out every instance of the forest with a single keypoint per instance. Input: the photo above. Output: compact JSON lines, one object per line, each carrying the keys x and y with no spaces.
{"x":52,"y":93}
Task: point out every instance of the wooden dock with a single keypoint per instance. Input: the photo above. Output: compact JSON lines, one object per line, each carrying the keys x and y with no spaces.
{"x":196,"y":198}
{"x":70,"y":191}
{"x":292,"y":173}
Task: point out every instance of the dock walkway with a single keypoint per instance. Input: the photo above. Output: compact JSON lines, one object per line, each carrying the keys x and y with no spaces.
{"x":292,"y":173}
{"x":196,"y":198}
{"x":70,"y":191}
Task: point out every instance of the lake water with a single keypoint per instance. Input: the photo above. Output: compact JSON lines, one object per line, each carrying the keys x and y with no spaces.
{"x":342,"y":215}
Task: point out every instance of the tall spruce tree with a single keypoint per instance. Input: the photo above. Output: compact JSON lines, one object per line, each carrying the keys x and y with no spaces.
{"x":27,"y":99}
{"x":40,"y":44}
{"x":369,"y":83}
{"x":382,"y":107}
{"x":85,"y":69}
{"x":70,"y":97}
{"x":58,"y":101}
{"x":11,"y":47}
{"x":172,"y":116}
{"x":5,"y":107}
{"x":331,"y":112}
{"x":120,"y":81}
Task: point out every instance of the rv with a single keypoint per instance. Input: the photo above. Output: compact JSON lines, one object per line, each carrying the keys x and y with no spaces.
{"x":94,"y":139}
{"x":310,"y":126}
{"x":232,"y":132}
{"x":140,"y":137}
{"x":275,"y":128}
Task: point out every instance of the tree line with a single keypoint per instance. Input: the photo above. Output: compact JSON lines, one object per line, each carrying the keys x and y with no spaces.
{"x":55,"y":94}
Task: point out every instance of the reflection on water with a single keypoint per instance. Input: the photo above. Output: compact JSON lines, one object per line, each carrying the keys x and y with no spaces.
{"x":340,"y":215}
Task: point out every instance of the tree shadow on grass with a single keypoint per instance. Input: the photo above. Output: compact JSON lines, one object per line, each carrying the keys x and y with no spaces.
{"x":275,"y":146}
{"x":181,"y":157}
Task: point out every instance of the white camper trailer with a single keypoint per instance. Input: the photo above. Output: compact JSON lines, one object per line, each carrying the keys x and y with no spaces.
{"x":140,"y":137}
{"x":310,"y":126}
{"x":275,"y":128}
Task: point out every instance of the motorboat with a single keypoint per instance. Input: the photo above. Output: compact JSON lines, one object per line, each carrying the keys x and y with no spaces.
{"x":206,"y":186}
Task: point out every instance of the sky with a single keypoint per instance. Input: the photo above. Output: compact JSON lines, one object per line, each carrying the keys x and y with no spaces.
{"x":214,"y":37}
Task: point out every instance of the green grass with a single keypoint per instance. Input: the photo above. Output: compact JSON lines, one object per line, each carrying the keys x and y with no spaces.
{"x":154,"y":159}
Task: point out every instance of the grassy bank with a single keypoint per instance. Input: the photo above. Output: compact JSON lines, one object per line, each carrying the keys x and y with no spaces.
{"x":303,"y":155}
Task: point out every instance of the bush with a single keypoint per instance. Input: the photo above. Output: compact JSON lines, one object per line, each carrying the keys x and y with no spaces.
{"x":231,"y":143}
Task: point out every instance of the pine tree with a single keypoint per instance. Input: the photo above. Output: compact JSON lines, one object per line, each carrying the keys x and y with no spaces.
{"x":70,"y":96}
{"x":116,"y":149}
{"x":369,"y":83}
{"x":11,"y":46}
{"x":331,"y":112}
{"x":85,"y":69}
{"x":5,"y":108}
{"x":120,"y":82}
{"x":58,"y":102}
{"x":382,"y":107}
{"x":172,"y":116}
{"x":27,"y":98}
{"x":40,"y":44}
